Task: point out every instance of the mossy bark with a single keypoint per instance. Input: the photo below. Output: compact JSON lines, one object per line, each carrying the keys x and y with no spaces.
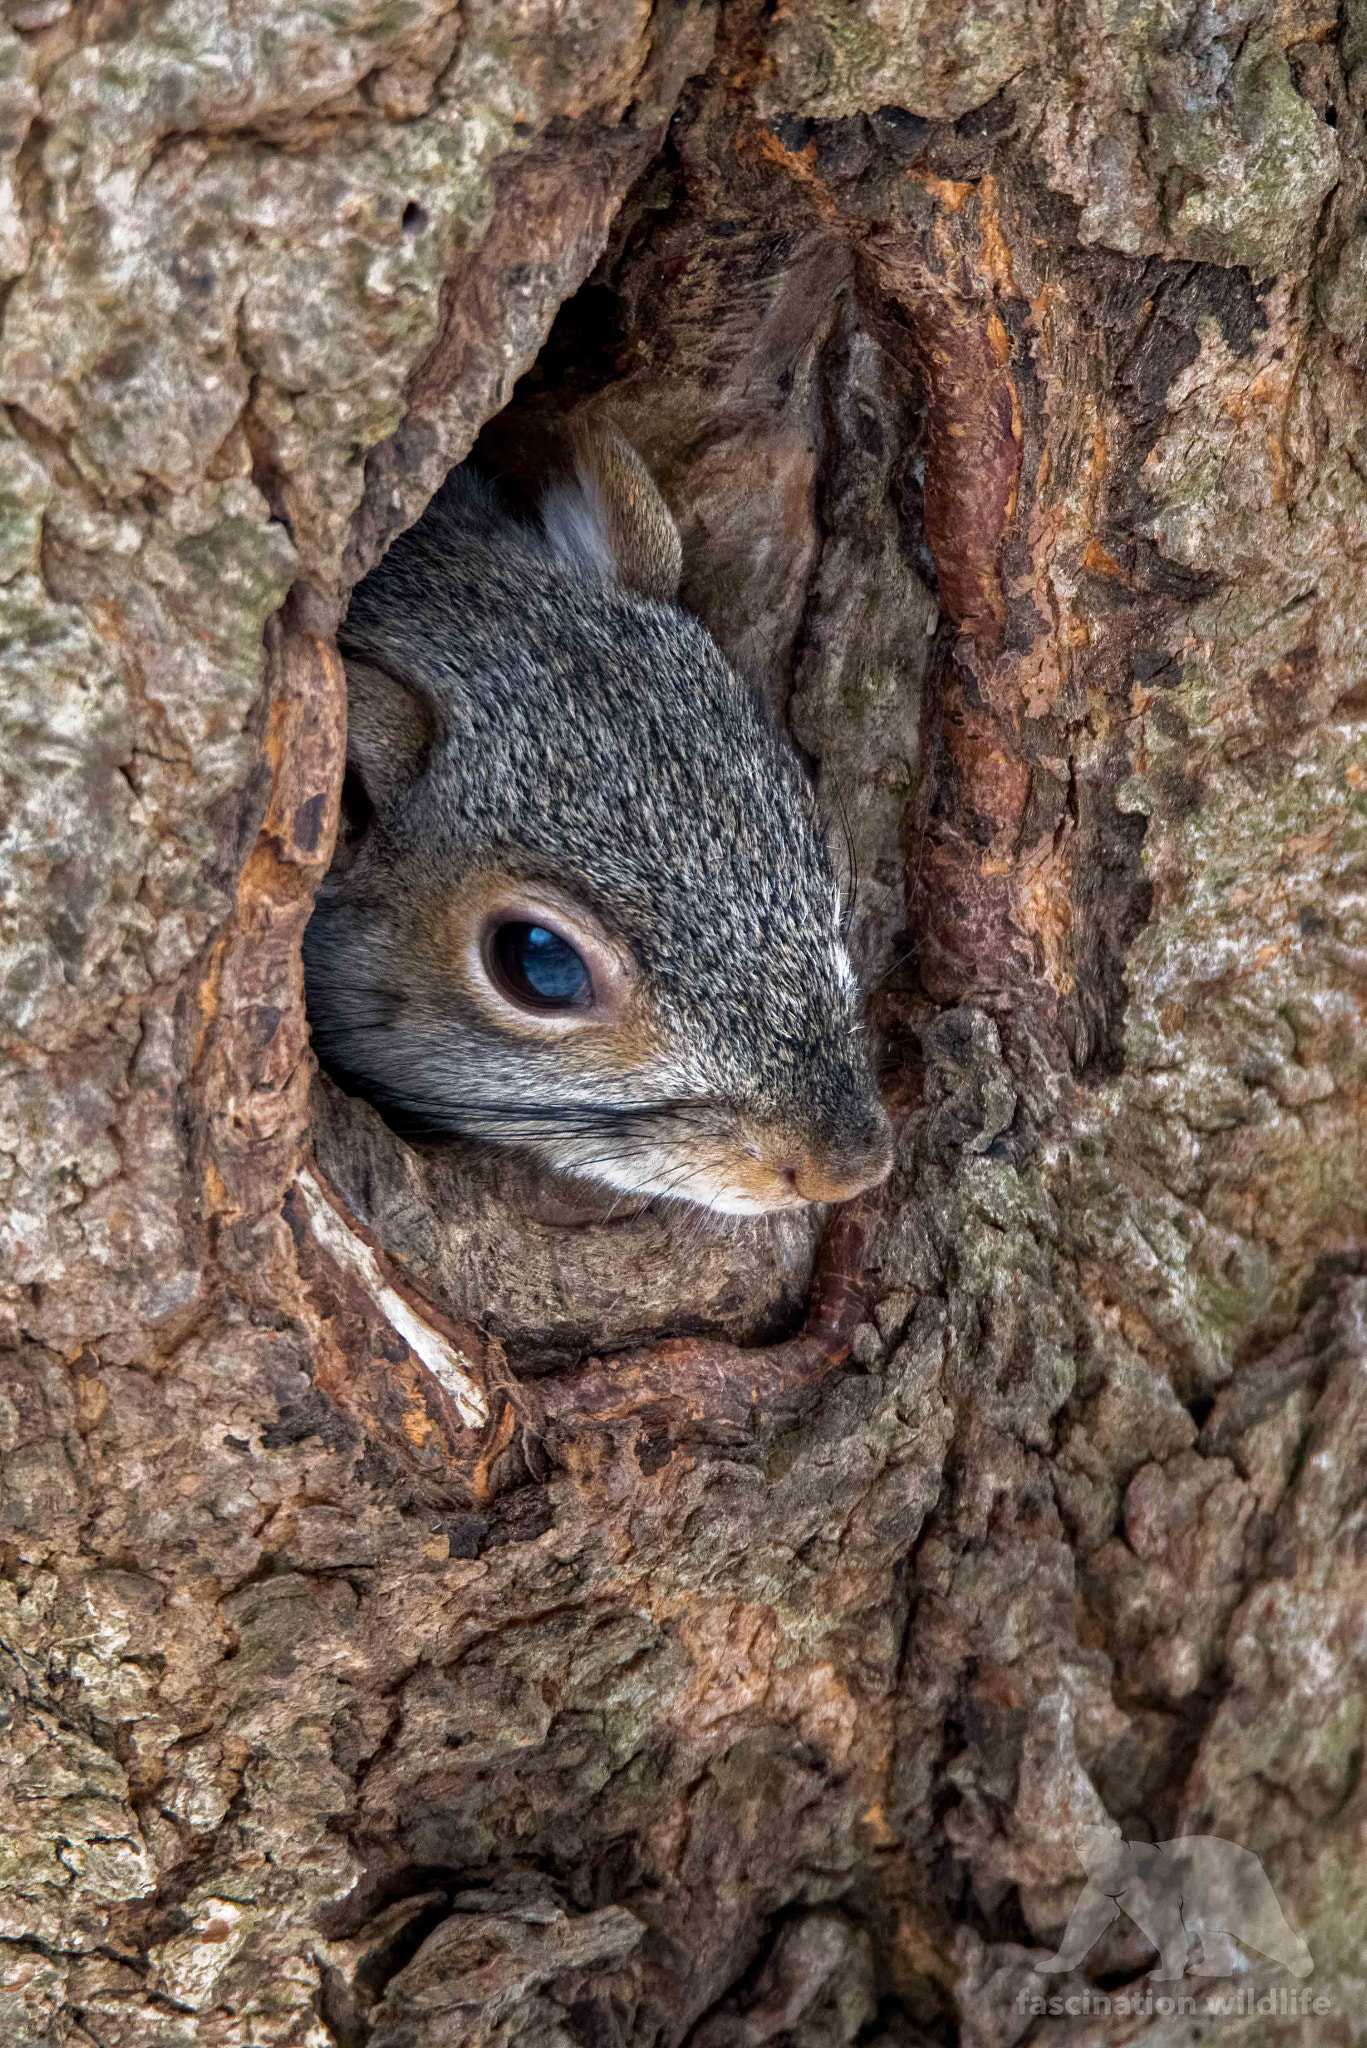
{"x":388,"y":1657}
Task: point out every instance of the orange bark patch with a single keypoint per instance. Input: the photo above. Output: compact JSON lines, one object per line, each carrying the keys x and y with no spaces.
{"x":949,"y":192}
{"x":1045,"y":898}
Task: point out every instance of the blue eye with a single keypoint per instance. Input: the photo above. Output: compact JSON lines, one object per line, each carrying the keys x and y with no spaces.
{"x":540,"y":969}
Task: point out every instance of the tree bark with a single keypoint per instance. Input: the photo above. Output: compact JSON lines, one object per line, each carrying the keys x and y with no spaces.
{"x":428,"y":1616}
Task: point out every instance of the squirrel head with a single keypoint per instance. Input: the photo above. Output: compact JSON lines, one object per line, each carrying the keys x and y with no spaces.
{"x":580,"y":903}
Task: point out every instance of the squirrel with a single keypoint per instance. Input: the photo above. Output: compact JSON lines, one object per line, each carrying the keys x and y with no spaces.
{"x":580,"y":904}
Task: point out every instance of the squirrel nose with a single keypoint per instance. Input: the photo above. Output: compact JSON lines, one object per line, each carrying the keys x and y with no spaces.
{"x":846,"y":1170}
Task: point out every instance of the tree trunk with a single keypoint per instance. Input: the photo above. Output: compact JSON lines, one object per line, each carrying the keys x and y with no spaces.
{"x":429,"y":1618}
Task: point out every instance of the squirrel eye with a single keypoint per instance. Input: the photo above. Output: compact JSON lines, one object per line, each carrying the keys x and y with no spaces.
{"x":538,"y":968}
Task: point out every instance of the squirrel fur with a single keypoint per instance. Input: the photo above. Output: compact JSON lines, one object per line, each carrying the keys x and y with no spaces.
{"x":580,"y":904}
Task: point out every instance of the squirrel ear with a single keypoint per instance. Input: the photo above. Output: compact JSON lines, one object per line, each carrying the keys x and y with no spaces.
{"x":389,"y":733}
{"x":611,"y":523}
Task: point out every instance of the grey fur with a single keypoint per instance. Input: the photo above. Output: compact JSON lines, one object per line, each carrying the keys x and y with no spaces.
{"x":597,"y":742}
{"x":576,"y":531}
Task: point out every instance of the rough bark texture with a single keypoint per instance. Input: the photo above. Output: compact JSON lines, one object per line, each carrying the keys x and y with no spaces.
{"x":389,"y":1659}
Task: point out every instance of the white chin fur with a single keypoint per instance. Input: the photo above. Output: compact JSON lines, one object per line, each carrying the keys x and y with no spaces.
{"x":663,"y":1174}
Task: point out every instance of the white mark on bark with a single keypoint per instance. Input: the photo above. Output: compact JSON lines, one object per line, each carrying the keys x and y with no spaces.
{"x":450,"y":1367}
